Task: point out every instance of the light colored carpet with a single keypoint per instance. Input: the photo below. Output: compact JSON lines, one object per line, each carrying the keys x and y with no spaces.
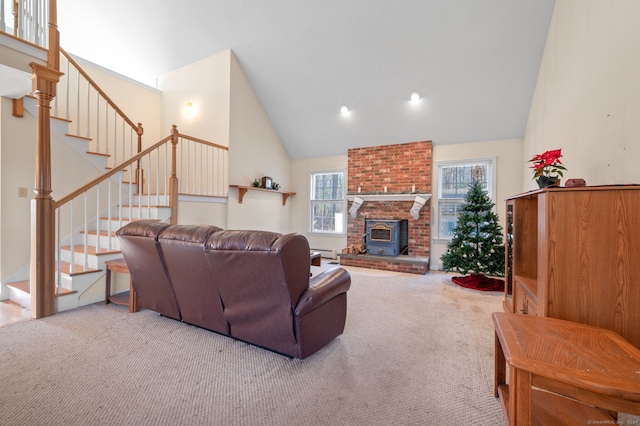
{"x":417,"y":350}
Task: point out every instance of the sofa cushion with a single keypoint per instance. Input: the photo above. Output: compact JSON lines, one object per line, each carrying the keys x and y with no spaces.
{"x":139,"y":245}
{"x":242,"y":240}
{"x":194,"y":285}
{"x":254,"y":284}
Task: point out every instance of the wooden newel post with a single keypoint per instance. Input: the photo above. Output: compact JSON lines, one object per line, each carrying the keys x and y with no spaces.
{"x":53,"y":56}
{"x":139,"y":177}
{"x":42,"y":274}
{"x":173,"y":180}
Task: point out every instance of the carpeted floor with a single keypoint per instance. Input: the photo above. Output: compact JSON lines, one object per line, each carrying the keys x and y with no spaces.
{"x":417,"y":350}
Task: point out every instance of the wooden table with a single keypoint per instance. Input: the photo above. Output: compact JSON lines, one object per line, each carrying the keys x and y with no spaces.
{"x":315,"y":258}
{"x":588,"y":364}
{"x":129,"y":298}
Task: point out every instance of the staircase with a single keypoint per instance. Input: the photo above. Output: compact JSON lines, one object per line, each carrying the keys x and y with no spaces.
{"x":87,"y":250}
{"x":83,"y":223}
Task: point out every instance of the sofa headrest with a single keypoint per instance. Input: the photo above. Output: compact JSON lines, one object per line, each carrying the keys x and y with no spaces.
{"x":190,"y":233}
{"x":242,"y":240}
{"x":143,"y":228}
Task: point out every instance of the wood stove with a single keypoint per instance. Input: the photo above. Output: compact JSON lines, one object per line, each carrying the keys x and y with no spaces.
{"x":387,"y":237}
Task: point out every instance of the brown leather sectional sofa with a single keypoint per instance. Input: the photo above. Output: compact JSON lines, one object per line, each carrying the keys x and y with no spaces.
{"x":250,"y":285}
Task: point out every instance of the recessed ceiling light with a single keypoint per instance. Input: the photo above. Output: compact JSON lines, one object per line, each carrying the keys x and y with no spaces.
{"x":415,"y":96}
{"x":344,"y":109}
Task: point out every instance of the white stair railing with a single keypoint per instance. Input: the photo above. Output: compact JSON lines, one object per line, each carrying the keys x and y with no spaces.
{"x":94,"y":116}
{"x":26,"y":20}
{"x":197,"y":161}
{"x":111,"y":199}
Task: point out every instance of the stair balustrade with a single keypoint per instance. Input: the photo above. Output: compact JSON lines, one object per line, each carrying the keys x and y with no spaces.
{"x":95,"y":117}
{"x":87,"y":218}
{"x":137,"y":182}
{"x":203,"y":167}
{"x":26,"y":20}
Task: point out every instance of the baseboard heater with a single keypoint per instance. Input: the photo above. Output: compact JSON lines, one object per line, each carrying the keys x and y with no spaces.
{"x":327,"y":254}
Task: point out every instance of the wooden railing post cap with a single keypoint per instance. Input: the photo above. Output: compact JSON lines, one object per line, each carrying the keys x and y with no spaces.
{"x":140,"y":130}
{"x":44,"y":79}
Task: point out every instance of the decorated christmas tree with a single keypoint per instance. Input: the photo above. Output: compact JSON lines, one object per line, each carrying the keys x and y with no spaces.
{"x":477,"y":245}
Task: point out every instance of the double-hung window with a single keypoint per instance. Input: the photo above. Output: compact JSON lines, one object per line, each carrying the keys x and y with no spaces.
{"x":327,"y":202}
{"x":454,"y":178}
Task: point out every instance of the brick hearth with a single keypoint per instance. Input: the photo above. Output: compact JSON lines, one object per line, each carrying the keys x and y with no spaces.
{"x":401,"y":168}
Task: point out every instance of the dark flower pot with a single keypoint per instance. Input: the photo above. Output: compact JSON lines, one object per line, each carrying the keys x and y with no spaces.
{"x":544,"y":181}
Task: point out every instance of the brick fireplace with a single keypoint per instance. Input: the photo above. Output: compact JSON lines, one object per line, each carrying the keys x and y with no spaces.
{"x":384,"y":172}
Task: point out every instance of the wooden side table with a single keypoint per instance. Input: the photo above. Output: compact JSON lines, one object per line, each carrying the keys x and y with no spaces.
{"x":315,"y":258}
{"x":562,"y":372}
{"x":129,"y":298}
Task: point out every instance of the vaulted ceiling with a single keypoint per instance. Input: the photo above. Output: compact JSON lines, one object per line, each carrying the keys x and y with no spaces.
{"x":475,"y":62}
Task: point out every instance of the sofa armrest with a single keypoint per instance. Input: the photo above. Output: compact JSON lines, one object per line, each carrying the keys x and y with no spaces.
{"x":322,"y":288}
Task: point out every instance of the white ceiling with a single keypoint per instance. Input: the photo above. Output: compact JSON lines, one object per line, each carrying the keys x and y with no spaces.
{"x":474,"y":61}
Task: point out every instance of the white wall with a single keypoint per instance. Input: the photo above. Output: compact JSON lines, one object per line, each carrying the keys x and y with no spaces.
{"x":141,"y":103}
{"x":206,"y":84}
{"x":203,"y":213}
{"x":17,"y":168}
{"x":255,"y":150}
{"x":587,"y":98}
{"x":229,"y":113}
{"x":300,"y":170}
{"x":509,"y":164}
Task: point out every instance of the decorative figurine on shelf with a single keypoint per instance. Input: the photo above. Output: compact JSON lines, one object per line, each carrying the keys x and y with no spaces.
{"x":575,"y":183}
{"x":267,"y":182}
{"x":547,"y":168}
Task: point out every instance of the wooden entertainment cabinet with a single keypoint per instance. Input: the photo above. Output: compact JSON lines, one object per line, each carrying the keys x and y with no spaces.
{"x":574,"y":254}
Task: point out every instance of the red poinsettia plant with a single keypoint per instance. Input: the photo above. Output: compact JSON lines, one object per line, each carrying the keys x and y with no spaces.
{"x":548,"y":165}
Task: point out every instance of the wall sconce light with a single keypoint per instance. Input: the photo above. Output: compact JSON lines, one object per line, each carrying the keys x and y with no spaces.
{"x":189,"y":109}
{"x":415,"y":96}
{"x":344,"y":110}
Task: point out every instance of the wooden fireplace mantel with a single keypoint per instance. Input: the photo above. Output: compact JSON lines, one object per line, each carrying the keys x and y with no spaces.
{"x":357,"y":199}
{"x":387,"y":196}
{"x":242,"y":189}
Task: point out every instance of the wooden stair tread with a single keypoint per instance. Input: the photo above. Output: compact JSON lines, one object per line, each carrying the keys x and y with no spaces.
{"x":99,"y":153}
{"x":78,"y":137}
{"x":154,"y":206}
{"x":103,"y":233}
{"x":78,"y":269}
{"x":25,"y":286}
{"x":61,"y":119}
{"x":127,"y":220}
{"x":79,"y":248}
{"x":21,"y":285}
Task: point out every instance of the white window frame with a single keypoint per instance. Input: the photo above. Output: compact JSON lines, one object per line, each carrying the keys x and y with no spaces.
{"x":490,"y":162}
{"x":341,"y":230}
